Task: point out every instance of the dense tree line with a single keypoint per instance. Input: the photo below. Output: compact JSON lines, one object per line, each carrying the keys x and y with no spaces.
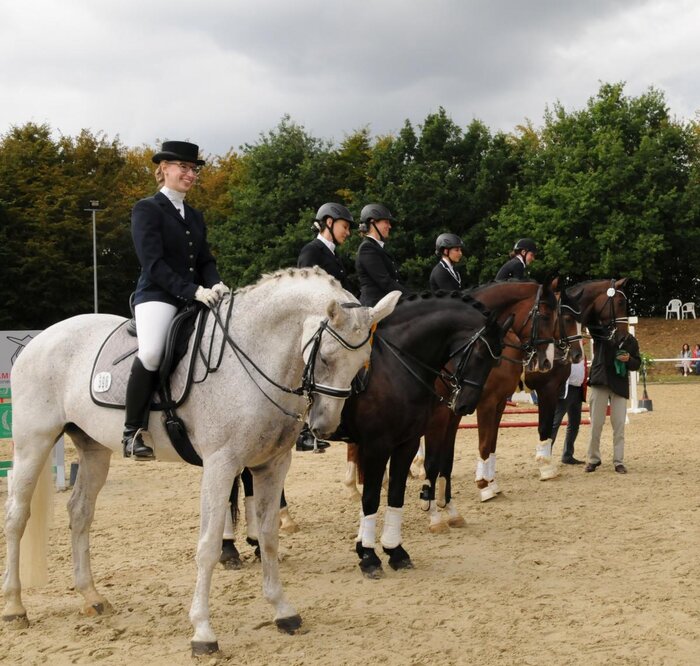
{"x":608,"y":190}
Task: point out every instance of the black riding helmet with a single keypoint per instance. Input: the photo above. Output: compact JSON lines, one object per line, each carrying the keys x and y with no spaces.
{"x":372,"y":213}
{"x":526,"y":244}
{"x":447,"y":242}
{"x":335,"y":211}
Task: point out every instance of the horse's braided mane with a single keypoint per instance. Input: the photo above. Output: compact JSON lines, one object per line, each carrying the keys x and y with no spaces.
{"x":464,"y":296}
{"x":289,"y":273}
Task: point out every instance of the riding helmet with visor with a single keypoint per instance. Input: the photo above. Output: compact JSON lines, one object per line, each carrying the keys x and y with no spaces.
{"x":526,"y":244}
{"x":447,"y":242}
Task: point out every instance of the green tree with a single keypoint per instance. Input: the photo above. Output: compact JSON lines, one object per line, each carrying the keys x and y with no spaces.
{"x":603,"y":193}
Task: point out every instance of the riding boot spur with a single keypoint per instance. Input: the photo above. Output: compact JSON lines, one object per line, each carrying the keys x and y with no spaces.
{"x":139,"y":390}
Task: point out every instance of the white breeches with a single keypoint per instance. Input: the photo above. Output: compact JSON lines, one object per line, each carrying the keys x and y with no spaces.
{"x":152,"y":321}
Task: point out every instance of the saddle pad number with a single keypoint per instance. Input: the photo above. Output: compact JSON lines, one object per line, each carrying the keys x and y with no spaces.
{"x":101,"y":382}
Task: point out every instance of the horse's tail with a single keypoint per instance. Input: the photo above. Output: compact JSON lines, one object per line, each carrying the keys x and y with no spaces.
{"x":35,"y":541}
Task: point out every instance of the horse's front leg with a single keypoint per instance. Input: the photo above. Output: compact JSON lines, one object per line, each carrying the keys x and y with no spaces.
{"x":444,"y":487}
{"x":93,"y":468}
{"x":268,"y":482}
{"x":399,"y":466}
{"x":374,"y":465}
{"x":488,"y":421}
{"x":217,"y":479}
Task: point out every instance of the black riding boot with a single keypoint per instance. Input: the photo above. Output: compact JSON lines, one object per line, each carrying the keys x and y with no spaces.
{"x":139,"y":390}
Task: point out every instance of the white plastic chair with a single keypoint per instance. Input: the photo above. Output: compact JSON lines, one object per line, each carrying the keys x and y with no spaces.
{"x":673,"y":308}
{"x":688,"y":309}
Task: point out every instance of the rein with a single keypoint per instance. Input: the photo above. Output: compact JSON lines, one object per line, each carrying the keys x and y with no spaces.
{"x":454,"y":381}
{"x":308,"y":386}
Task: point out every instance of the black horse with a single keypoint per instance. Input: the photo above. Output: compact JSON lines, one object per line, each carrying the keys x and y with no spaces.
{"x":387,"y":419}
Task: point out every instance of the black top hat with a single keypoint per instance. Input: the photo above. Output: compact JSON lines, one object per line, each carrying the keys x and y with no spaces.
{"x":178,"y":150}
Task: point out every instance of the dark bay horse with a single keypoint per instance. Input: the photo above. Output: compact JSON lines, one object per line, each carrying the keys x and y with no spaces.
{"x":536,"y":326}
{"x":599,"y":305}
{"x":387,"y":419}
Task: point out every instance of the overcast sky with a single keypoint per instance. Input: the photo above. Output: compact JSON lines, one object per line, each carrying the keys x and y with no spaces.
{"x":220,"y":72}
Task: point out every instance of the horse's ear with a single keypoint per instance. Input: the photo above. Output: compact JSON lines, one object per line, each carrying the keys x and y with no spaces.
{"x":385,"y":307}
{"x":554,"y":284}
{"x":621,"y":283}
{"x":334,"y":311}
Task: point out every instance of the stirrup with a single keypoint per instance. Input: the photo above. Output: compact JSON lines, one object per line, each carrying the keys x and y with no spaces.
{"x":135,"y":448}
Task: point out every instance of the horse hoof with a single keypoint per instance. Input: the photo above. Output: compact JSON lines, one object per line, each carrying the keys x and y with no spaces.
{"x":401,"y":565}
{"x":19,"y":621}
{"x":370,"y":564}
{"x":232,"y":564}
{"x":495,"y":487}
{"x":97,"y":609}
{"x":485,"y":494}
{"x":289,"y":528}
{"x":289,"y":625}
{"x":549,"y":472}
{"x":439,"y":528}
{"x":398,"y":558}
{"x":456,"y":521}
{"x":373,"y":573}
{"x":204,"y":648}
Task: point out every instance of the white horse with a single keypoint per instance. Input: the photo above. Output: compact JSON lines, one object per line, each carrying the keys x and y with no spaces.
{"x":231,"y":423}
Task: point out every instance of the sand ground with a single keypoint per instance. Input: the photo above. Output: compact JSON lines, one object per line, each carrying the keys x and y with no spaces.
{"x":585,"y":569}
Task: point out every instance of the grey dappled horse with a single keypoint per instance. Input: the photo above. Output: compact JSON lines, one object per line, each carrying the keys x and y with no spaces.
{"x":291,"y":325}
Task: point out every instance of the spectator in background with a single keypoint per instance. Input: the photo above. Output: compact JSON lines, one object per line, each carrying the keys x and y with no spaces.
{"x":685,"y":359}
{"x":696,"y":358}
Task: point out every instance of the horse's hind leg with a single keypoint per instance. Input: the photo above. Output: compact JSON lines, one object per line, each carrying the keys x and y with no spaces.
{"x":269,"y":481}
{"x":31,"y":476}
{"x":93,"y":468}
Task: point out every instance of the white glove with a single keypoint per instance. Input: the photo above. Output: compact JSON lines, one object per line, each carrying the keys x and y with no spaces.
{"x":221,"y":289}
{"x":207,"y":296}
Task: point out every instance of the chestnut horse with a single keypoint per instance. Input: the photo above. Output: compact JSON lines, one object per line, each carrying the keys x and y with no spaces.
{"x":600,"y":305}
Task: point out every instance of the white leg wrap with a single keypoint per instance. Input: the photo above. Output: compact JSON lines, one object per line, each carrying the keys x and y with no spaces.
{"x":440,"y":491}
{"x":251,"y":520}
{"x":481,"y":469}
{"x":544,"y":451}
{"x":368,"y":530}
{"x":490,"y":472}
{"x":391,"y":535}
{"x":434,"y":514}
{"x":452,"y":510}
{"x":228,"y":525}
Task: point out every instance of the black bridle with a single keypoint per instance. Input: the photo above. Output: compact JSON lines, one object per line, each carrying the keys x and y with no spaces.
{"x":456,"y":380}
{"x":529,"y":346}
{"x":608,"y":330}
{"x":309,"y":386}
{"x":565,"y":341}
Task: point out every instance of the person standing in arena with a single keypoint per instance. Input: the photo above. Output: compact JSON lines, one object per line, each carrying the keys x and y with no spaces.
{"x":177,"y":267}
{"x":613,"y":360}
{"x":375,"y":268}
{"x":570,"y":404}
{"x":445,"y":276}
{"x":521,"y":257}
{"x":333,"y":222}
